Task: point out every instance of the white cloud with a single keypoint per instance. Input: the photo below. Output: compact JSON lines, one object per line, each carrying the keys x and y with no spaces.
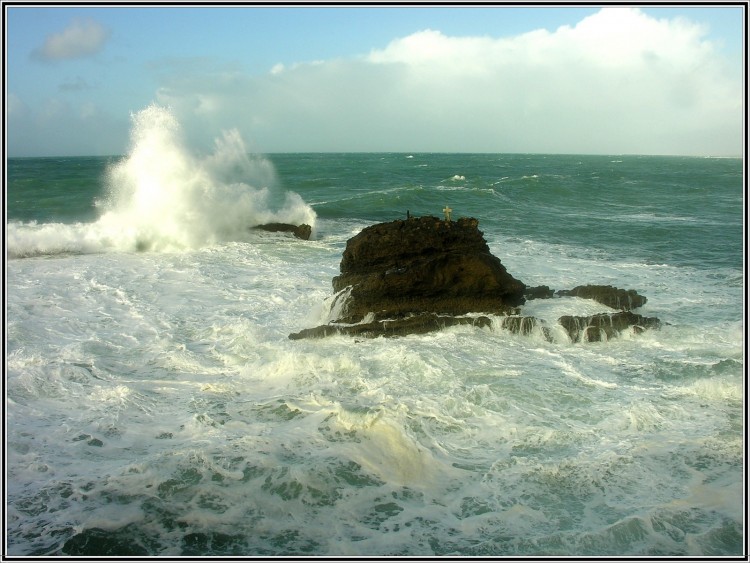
{"x":80,"y":39}
{"x":619,"y":81}
{"x":430,"y":48}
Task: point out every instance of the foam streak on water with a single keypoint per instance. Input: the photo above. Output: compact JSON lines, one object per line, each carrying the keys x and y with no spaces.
{"x":208,"y":431}
{"x":155,"y":405}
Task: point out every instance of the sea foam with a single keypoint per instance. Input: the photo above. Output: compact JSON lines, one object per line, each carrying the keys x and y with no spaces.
{"x":162,"y":196}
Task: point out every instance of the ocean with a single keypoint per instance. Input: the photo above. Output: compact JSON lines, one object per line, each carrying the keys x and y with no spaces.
{"x":156,"y":406}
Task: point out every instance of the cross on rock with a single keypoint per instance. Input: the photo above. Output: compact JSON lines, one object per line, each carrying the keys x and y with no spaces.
{"x":447,"y":210}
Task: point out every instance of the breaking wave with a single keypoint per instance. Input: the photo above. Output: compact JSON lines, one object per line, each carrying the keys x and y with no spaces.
{"x":162,"y":197}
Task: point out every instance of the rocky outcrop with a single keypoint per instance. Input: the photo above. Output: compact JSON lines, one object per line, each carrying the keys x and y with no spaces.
{"x":614,"y":297}
{"x":622,"y":299}
{"x":526,"y":325}
{"x":422,"y":274}
{"x":539,"y":292}
{"x":415,"y":324}
{"x":300,"y":231}
{"x":593,"y":328}
{"x":519,"y":324}
{"x":605,"y":325}
{"x":421,"y":265}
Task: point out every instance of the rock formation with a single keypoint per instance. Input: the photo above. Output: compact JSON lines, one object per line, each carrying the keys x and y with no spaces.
{"x":539,"y":292}
{"x":300,"y":231}
{"x":605,"y":325}
{"x":424,"y":265}
{"x":593,"y":328}
{"x":415,"y":324}
{"x":622,"y":299}
{"x":424,"y":274}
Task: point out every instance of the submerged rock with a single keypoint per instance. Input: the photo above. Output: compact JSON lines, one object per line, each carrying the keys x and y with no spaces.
{"x":593,"y":328}
{"x":605,"y":325}
{"x":520,"y":325}
{"x":302,"y":231}
{"x":416,"y":324}
{"x":526,"y":325}
{"x":623,"y":299}
{"x":539,"y":292}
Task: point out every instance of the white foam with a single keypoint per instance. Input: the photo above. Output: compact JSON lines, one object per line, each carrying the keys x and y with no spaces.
{"x":165,"y":385}
{"x":163,"y":197}
{"x":386,"y":450}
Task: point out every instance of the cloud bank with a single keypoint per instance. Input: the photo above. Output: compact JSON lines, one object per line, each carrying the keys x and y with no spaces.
{"x":618,"y":82}
{"x":80,"y":39}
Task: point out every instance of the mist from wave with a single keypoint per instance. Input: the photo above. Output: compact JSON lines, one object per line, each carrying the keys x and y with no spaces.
{"x":163,"y":197}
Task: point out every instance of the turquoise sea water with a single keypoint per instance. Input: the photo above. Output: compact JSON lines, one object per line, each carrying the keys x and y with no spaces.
{"x":155,"y":406}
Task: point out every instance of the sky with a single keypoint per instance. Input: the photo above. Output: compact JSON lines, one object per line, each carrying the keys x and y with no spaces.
{"x":594,"y":79}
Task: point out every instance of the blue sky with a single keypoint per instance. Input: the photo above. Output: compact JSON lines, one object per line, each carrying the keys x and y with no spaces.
{"x":551,"y":79}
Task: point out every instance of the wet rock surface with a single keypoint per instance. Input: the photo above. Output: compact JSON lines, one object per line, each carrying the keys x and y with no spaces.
{"x":424,"y":265}
{"x":592,"y":328}
{"x":623,"y":299}
{"x":302,"y":231}
{"x":423,"y":274}
{"x":539,"y":292}
{"x":604,"y":326}
{"x":416,"y":324}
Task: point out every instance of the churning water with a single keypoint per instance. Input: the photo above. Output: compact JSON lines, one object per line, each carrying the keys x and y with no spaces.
{"x":155,"y":405}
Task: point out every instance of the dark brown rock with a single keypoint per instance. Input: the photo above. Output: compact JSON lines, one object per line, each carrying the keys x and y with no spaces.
{"x":300,"y":231}
{"x":604,"y":326}
{"x":416,"y":324}
{"x":525,"y":325}
{"x":539,"y":292}
{"x":424,"y":265}
{"x":623,"y":299}
{"x":424,"y":274}
{"x":521,"y":325}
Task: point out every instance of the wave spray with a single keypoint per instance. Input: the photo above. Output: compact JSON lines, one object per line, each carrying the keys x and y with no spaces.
{"x":163,"y":197}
